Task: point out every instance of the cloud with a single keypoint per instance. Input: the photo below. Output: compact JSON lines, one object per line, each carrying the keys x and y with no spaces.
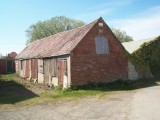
{"x":94,"y":14}
{"x":102,"y":10}
{"x":144,"y":25}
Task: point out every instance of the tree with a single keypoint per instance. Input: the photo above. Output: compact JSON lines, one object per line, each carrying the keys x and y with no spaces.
{"x":122,"y":35}
{"x":57,"y":24}
{"x":49,"y":27}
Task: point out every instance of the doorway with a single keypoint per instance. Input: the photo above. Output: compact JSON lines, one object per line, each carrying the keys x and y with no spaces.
{"x":9,"y":66}
{"x":62,"y":73}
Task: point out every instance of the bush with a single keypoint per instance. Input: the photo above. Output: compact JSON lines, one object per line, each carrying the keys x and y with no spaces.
{"x":116,"y":85}
{"x":148,"y":56}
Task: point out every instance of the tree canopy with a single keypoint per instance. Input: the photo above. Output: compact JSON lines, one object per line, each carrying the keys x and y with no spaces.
{"x":57,"y":24}
{"x":122,"y":35}
{"x":49,"y":27}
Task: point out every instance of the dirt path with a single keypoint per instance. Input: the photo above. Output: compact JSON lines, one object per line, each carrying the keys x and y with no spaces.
{"x":143,"y":104}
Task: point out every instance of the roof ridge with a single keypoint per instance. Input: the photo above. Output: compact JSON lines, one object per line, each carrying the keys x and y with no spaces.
{"x":57,"y":44}
{"x":135,"y":45}
{"x":76,"y":28}
{"x":88,"y":30}
{"x":63,"y":32}
{"x":151,"y":38}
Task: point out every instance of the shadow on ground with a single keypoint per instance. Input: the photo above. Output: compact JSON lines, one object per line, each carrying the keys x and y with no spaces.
{"x":12,"y":92}
{"x":120,"y":85}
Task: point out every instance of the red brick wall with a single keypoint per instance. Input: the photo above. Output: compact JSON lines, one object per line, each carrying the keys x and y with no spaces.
{"x":87,"y":66}
{"x":3,"y":66}
{"x":22,"y":64}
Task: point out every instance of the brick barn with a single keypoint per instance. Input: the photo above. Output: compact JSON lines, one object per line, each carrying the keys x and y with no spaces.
{"x":88,"y":54}
{"x":7,"y":63}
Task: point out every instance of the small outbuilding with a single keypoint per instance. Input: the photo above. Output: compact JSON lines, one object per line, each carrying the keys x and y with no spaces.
{"x":7,"y":63}
{"x":88,"y":54}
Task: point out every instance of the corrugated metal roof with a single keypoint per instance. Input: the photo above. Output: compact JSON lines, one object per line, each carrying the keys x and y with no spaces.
{"x":135,"y":45}
{"x":55,"y":45}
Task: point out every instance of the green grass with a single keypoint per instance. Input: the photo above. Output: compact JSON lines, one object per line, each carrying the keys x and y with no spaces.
{"x":13,"y":92}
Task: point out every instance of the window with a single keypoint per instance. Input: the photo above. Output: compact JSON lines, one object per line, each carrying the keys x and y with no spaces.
{"x":101,"y":45}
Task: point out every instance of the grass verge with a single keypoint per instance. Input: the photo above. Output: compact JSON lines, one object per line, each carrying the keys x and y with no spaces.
{"x":13,"y":92}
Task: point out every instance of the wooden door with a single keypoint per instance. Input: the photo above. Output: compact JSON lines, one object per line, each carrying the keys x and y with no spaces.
{"x":46,"y":70}
{"x":62,"y":71}
{"x":9,"y":66}
{"x":34,"y":68}
{"x":27,"y":69}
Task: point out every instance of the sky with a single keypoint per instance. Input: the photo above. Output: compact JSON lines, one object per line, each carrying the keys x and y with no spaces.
{"x":140,"y":19}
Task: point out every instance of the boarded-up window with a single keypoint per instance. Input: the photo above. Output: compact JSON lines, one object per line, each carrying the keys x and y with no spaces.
{"x":101,"y":45}
{"x":50,"y":67}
